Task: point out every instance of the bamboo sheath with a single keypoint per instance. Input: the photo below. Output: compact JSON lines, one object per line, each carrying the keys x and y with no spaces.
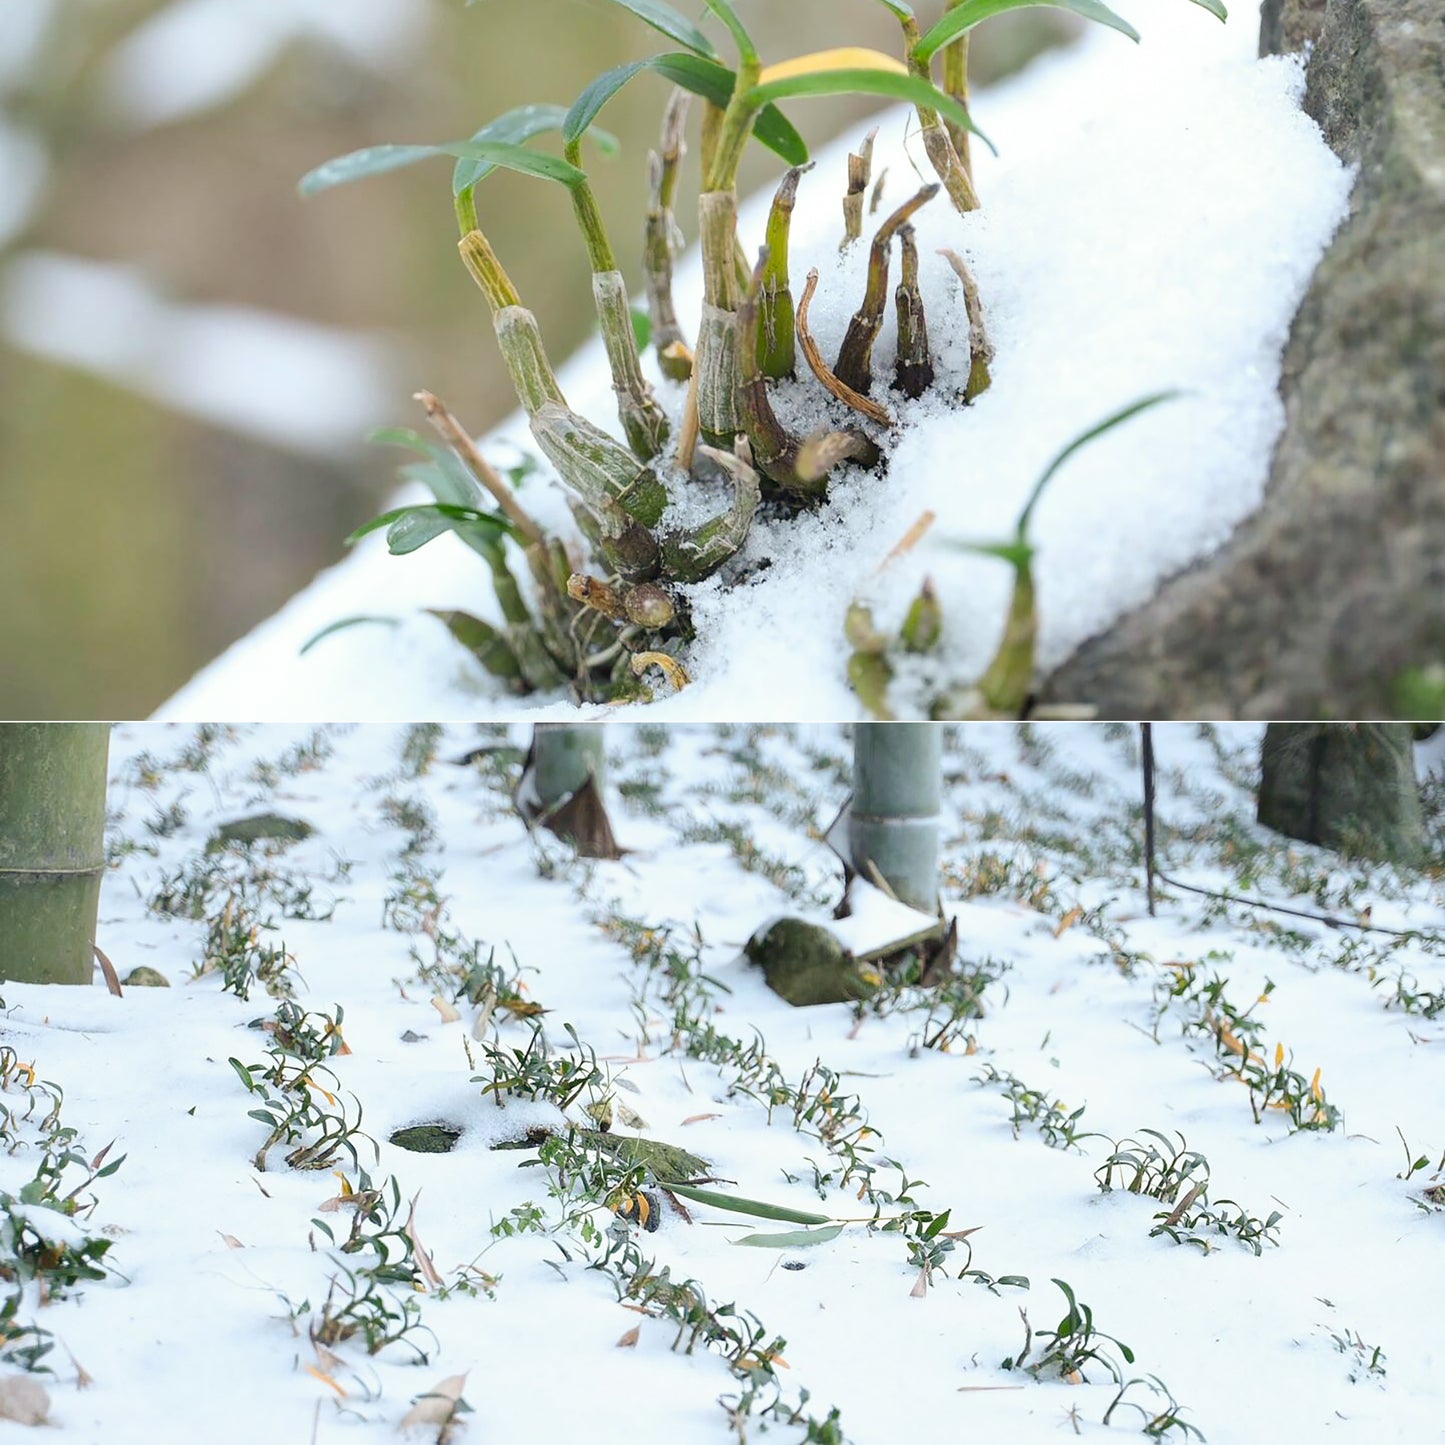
{"x":52,"y":848}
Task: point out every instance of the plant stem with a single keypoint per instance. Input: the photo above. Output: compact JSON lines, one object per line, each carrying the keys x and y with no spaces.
{"x":456,"y":437}
{"x":673,"y":353}
{"x":955,"y":83}
{"x":937,"y":143}
{"x":775,"y":343}
{"x":854,"y":367}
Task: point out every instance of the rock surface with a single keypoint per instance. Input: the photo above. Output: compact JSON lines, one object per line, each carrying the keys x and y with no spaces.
{"x":805,"y":963}
{"x":1327,"y":600}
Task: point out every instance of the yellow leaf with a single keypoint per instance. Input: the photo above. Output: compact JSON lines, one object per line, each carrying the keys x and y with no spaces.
{"x":345,"y":1185}
{"x":850,"y":57}
{"x":1278,"y":1055}
{"x":1230,"y":1042}
{"x":1263,"y":998}
{"x":1316,"y":1093}
{"x":325,"y":1379}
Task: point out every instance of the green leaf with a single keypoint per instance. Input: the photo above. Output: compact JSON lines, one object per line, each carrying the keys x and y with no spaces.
{"x":737,"y":1205}
{"x":793,"y":1239}
{"x":729,"y":17}
{"x":963,"y":18}
{"x":447,"y":479}
{"x":912,"y":88}
{"x":1215,"y":7}
{"x":411,"y":528}
{"x":899,"y":10}
{"x":377,"y":160}
{"x":1108,"y":424}
{"x":713,"y":82}
{"x":517,"y":127}
{"x":641,"y":328}
{"x":1017,"y":555}
{"x":340,"y":626}
{"x":676,"y":27}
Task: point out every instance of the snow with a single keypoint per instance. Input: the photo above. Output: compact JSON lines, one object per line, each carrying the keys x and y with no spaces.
{"x":294,"y":383}
{"x":1151,"y":222}
{"x":195,"y":55}
{"x":192,"y":1336}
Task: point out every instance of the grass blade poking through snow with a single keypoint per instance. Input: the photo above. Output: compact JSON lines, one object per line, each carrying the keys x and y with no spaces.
{"x":1004,"y":688}
{"x":735,"y":1204}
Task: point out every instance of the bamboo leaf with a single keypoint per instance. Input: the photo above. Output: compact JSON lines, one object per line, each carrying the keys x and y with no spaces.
{"x":962,"y":19}
{"x":793,"y":1239}
{"x":377,"y":160}
{"x":676,"y":27}
{"x":898,"y":9}
{"x":911,"y":88}
{"x":700,"y":76}
{"x":737,"y":1205}
{"x":1215,"y":7}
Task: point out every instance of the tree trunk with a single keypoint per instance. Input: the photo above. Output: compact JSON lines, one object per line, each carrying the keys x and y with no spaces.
{"x":52,"y":848}
{"x":1348,"y":786}
{"x":893,"y":822}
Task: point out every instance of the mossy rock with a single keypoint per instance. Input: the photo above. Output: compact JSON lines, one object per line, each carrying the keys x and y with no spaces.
{"x":143,"y":977}
{"x":427,"y":1138}
{"x":805,"y":963}
{"x":259,"y":828}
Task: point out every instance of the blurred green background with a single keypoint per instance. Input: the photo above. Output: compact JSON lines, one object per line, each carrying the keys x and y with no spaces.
{"x":152,"y":509}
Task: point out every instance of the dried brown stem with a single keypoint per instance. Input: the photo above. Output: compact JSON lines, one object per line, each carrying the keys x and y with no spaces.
{"x":860,"y":170}
{"x":864,"y":406}
{"x":455,"y":436}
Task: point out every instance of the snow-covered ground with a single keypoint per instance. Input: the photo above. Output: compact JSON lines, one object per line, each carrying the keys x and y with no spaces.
{"x":206,"y":1329}
{"x":1151,"y":222}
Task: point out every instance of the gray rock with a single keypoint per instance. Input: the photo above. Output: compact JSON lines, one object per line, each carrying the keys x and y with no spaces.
{"x":1328,"y":599}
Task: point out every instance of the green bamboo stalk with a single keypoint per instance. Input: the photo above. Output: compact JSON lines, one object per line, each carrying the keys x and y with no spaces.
{"x":894,"y":817}
{"x":52,"y":848}
{"x":564,"y":756}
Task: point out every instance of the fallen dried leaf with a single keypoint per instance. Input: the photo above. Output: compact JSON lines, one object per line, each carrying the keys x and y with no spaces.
{"x":629,"y":1340}
{"x":23,"y":1400}
{"x":449,"y":1011}
{"x":698,"y":1118}
{"x":439,"y":1406}
{"x":230,"y":1240}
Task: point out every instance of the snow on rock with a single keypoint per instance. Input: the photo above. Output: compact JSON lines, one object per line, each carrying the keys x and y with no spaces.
{"x":255,"y":372}
{"x":1151,"y":222}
